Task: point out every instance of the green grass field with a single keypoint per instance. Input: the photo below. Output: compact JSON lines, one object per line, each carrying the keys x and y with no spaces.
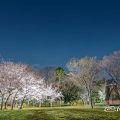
{"x":59,"y":114}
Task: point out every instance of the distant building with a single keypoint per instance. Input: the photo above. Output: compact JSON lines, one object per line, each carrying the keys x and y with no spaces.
{"x":112,"y":93}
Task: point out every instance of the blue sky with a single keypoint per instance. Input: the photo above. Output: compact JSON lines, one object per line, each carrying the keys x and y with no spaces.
{"x":49,"y":33}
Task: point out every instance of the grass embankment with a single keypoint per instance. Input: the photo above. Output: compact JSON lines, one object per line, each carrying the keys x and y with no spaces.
{"x":58,"y":114}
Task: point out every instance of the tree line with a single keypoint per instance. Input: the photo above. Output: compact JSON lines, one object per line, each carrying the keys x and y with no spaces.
{"x":85,"y":80}
{"x":21,"y":83}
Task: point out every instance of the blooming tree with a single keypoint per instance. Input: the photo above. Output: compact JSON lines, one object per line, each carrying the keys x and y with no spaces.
{"x":52,"y":94}
{"x":9,"y":79}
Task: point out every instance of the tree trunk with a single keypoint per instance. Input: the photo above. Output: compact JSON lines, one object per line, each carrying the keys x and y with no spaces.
{"x":21,"y":106}
{"x":51,"y":104}
{"x":13,"y":102}
{"x":2,"y":100}
{"x":7,"y":101}
{"x":60,"y":102}
{"x":40,"y":104}
{"x":28,"y":103}
{"x":91,"y":100}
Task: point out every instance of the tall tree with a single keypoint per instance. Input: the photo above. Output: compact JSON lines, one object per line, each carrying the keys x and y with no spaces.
{"x":60,"y":74}
{"x":70,"y":91}
{"x":111,"y":65}
{"x":9,"y":79}
{"x":85,"y":71}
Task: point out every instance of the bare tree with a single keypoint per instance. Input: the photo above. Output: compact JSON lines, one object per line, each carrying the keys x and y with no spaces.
{"x":111,"y":65}
{"x":85,"y":71}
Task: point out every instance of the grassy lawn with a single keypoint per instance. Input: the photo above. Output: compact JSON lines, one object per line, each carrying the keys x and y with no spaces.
{"x":59,"y":114}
